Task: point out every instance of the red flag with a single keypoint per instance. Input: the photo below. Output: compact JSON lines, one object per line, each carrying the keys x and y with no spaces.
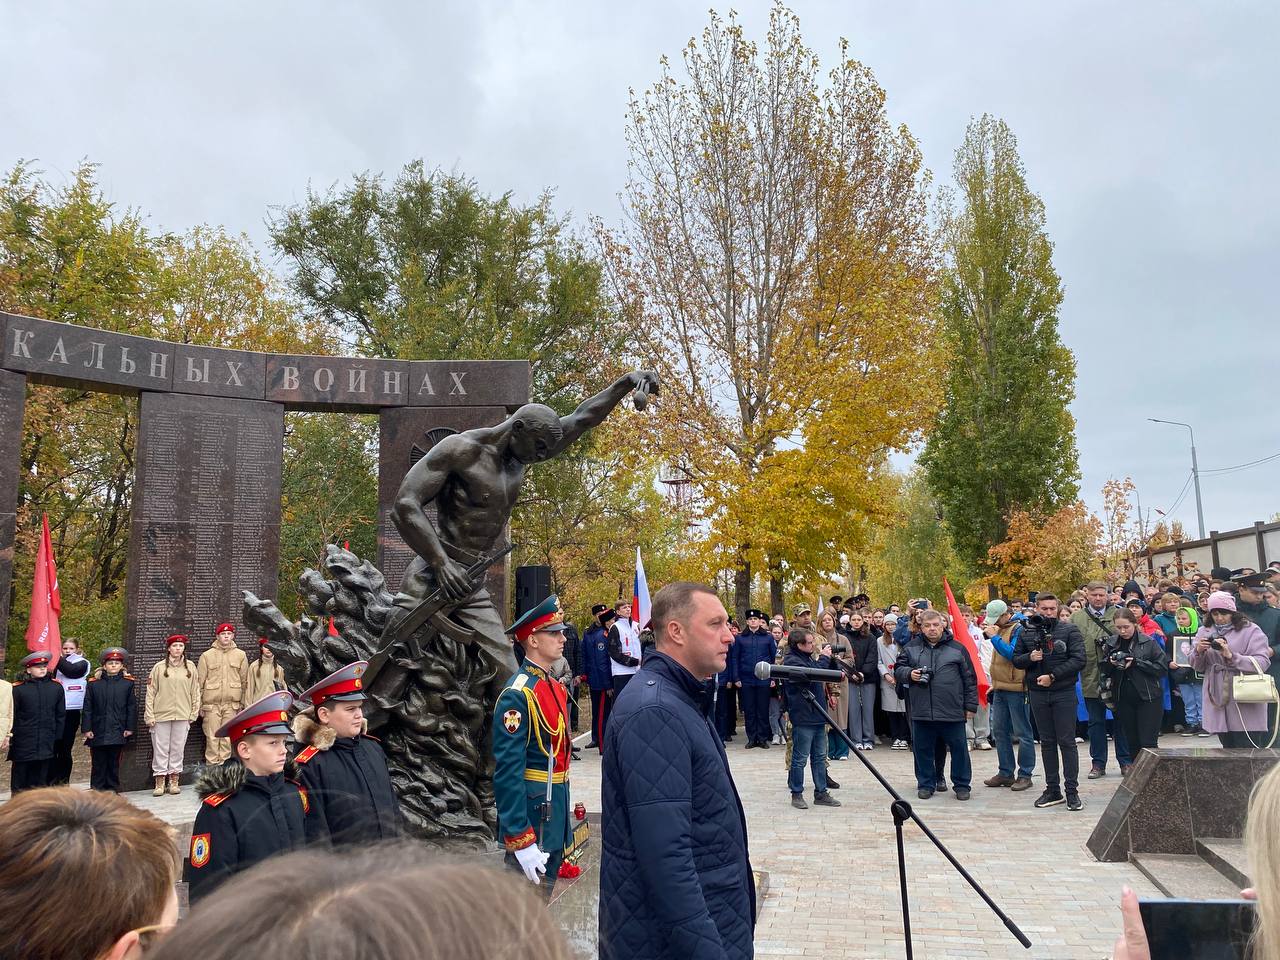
{"x":46,"y":601}
{"x":960,"y":630}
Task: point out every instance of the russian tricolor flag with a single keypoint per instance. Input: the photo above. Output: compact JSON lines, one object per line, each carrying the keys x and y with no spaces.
{"x":641,"y":606}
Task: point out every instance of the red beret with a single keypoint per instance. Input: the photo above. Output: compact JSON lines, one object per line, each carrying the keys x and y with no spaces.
{"x":176,"y":638}
{"x":225,"y":626}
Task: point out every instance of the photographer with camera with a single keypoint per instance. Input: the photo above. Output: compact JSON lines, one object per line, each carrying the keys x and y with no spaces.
{"x":1133,"y":666}
{"x":943,"y":696}
{"x":1226,"y":647}
{"x":1094,"y":621}
{"x":1052,"y":653}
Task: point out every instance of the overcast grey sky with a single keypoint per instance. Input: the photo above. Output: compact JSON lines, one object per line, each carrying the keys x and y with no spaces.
{"x":1150,"y":130}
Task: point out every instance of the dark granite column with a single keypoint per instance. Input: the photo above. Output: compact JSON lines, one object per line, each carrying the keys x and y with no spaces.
{"x":405,"y":434}
{"x":205,"y":526}
{"x":13,"y":399}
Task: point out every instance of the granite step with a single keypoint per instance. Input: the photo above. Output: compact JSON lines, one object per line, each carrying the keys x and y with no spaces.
{"x":1185,"y":876}
{"x":1227,"y":857}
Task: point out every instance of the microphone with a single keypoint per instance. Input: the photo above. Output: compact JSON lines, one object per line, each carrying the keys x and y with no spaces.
{"x":765,"y":670}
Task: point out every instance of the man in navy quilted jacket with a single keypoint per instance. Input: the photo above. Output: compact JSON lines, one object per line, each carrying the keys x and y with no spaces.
{"x":675,"y":878}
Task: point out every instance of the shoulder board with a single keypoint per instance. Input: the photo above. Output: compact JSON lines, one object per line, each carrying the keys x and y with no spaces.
{"x":305,"y":755}
{"x":519,"y":682}
{"x":370,"y":736}
{"x":129,"y":676}
{"x":214,"y":799}
{"x":18,"y":683}
{"x":56,"y":680}
{"x":91,"y":679}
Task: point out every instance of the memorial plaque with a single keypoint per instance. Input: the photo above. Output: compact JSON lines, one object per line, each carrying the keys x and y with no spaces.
{"x":453,"y":383}
{"x":214,"y":372}
{"x":405,"y":434}
{"x":350,"y":384}
{"x":205,"y":526}
{"x":65,"y":354}
{"x":13,"y":399}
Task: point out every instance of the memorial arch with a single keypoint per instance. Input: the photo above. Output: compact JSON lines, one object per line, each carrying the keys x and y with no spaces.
{"x":205,"y":521}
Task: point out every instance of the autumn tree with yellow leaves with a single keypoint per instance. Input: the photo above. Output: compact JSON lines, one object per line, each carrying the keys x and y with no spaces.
{"x":776,"y":269}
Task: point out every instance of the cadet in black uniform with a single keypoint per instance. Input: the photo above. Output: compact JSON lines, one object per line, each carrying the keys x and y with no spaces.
{"x":344,"y":769}
{"x":253,"y":807}
{"x":107,"y":719}
{"x":39,"y":709}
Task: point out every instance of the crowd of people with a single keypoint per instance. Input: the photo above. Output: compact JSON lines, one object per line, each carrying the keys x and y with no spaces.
{"x":293,"y":826}
{"x":1111,"y":666}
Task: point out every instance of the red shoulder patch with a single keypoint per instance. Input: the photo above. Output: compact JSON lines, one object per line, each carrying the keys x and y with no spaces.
{"x":214,"y":799}
{"x":306,"y":800}
{"x":370,"y":736}
{"x":305,"y":755}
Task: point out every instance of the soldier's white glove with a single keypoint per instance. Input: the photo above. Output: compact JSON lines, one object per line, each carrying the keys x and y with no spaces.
{"x":533,"y":862}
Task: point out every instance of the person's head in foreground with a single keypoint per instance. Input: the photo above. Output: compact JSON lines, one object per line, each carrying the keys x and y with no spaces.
{"x":84,"y":875}
{"x":1262,"y":845}
{"x":382,"y":903}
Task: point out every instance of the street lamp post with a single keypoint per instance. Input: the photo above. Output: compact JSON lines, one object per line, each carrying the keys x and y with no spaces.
{"x":1195,"y":469}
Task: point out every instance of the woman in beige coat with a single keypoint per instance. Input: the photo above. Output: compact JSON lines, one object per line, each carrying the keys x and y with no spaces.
{"x":173,"y":703}
{"x":265,"y":675}
{"x":837,"y":749}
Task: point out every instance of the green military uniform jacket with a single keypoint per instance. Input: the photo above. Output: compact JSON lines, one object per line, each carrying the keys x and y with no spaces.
{"x":530,"y":727}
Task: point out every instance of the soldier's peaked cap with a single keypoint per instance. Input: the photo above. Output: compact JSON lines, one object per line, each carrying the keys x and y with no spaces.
{"x":270,"y":715}
{"x":115,"y":653}
{"x":38,"y":658}
{"x":344,"y":684}
{"x":545,"y":616}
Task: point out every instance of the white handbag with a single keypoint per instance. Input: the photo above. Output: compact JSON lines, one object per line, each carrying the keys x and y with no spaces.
{"x":1254,"y":687}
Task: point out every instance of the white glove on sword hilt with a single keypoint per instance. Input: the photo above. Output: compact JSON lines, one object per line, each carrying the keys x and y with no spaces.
{"x":533,"y":862}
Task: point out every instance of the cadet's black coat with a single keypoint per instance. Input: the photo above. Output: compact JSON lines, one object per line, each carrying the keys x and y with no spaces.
{"x":39,"y":711}
{"x":108,"y":709}
{"x":244,"y":819}
{"x":348,"y":785}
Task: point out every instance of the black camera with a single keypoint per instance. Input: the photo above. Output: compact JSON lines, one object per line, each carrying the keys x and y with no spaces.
{"x":1040,"y":622}
{"x":925,"y":676}
{"x":1117,"y":658}
{"x":1040,"y":635}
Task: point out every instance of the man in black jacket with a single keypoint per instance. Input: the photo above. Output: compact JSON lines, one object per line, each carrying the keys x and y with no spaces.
{"x":943,"y":697}
{"x":808,"y":727}
{"x":107,"y":719}
{"x":39,"y":710}
{"x":675,"y":877}
{"x":1052,"y":653}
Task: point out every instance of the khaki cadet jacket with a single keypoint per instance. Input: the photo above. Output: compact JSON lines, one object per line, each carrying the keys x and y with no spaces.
{"x":175,"y":697}
{"x":263,"y":680}
{"x":224,"y":677}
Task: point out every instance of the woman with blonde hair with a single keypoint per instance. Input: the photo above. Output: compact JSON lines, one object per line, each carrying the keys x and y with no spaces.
{"x":840,"y":649}
{"x":172,"y":705}
{"x":265,"y":675}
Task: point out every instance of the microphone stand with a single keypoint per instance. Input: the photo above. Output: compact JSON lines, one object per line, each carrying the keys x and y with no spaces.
{"x":901,"y":811}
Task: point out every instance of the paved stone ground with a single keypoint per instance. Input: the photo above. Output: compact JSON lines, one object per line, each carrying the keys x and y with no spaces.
{"x":833,"y":887}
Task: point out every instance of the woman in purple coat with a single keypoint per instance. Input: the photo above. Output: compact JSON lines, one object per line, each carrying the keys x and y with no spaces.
{"x":1227,"y":646}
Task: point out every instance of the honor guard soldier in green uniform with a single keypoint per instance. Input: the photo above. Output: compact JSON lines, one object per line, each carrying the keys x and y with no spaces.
{"x":531,"y":751}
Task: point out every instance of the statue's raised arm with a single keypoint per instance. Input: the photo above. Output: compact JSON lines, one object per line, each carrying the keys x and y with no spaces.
{"x":592,"y":411}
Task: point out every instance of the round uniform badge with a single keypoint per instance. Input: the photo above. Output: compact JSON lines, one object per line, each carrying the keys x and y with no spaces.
{"x":511,"y":720}
{"x":200,"y":849}
{"x":599,"y":646}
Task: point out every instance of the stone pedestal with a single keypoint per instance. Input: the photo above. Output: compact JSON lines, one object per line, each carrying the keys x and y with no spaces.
{"x":1174,"y":797}
{"x":205,"y":526}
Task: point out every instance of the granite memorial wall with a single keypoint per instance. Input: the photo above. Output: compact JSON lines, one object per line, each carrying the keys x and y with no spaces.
{"x":206,"y":507}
